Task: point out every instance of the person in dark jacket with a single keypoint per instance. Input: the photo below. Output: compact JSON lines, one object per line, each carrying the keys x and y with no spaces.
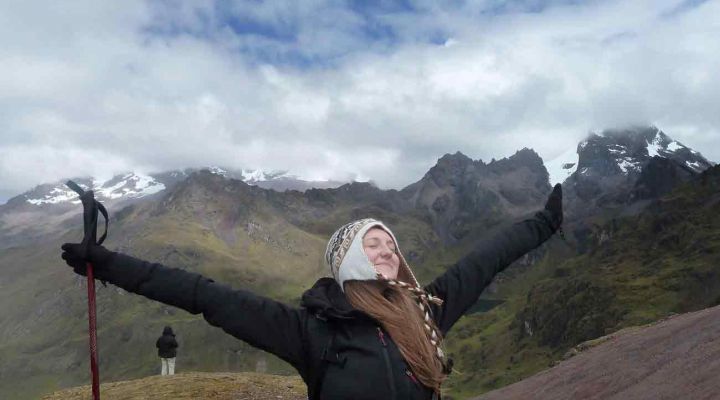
{"x":167,"y":350}
{"x":369,"y":332}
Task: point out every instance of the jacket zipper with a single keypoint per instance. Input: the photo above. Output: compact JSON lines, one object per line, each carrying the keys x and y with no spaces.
{"x":391,"y":380}
{"x":411,"y":376}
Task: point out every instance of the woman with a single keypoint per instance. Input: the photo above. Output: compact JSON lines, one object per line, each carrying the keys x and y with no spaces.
{"x":369,"y":332}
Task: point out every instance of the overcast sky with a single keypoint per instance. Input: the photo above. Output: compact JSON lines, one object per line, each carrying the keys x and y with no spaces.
{"x":342,"y":89}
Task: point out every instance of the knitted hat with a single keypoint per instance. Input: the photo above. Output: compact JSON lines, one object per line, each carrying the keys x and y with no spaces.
{"x":347,"y":261}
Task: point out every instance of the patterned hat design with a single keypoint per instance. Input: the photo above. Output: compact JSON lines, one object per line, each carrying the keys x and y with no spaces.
{"x":347,"y":261}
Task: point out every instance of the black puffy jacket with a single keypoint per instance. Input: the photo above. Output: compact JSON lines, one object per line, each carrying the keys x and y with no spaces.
{"x":340,"y":352}
{"x":166,"y":344}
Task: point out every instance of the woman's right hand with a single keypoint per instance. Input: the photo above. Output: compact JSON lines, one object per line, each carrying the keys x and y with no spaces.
{"x":555,"y":207}
{"x":99,"y":256}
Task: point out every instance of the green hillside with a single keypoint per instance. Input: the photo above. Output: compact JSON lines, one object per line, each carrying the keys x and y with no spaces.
{"x":634,"y":269}
{"x":638,"y":269}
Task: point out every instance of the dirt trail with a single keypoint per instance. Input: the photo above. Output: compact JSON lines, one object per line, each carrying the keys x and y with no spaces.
{"x":677,"y":358}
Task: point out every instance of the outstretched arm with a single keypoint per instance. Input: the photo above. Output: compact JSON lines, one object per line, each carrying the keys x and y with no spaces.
{"x":461,"y":285}
{"x":261,"y":322}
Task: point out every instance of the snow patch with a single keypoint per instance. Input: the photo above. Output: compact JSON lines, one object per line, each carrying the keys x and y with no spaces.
{"x":626,"y":164}
{"x":55,"y":196}
{"x":218,"y":171}
{"x":694,"y":165}
{"x":675,"y":146}
{"x":616,"y":149}
{"x":129,"y":186}
{"x":253,"y":175}
{"x":654,"y":147}
{"x":256,"y":175}
{"x":561,"y":167}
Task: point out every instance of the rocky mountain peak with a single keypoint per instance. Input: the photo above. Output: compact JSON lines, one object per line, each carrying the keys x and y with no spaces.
{"x":457,"y":157}
{"x":460,"y":195}
{"x":130,"y":186}
{"x":522,"y":158}
{"x":626,"y":151}
{"x":450,"y":169}
{"x":126,"y":186}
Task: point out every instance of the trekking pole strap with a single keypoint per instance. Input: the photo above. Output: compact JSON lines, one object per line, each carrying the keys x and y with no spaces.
{"x":91,"y":207}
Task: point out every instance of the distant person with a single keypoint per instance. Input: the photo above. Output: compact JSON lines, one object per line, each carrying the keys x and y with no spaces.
{"x":369,"y":332}
{"x":167,"y":350}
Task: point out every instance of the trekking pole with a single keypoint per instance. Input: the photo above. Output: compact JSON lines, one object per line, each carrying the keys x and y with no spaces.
{"x":90,"y":216}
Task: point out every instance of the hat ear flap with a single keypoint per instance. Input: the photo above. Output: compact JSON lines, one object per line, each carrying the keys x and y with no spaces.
{"x":404,"y":275}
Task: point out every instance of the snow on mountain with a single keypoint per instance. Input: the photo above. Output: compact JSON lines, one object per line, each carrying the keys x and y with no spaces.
{"x":219,"y":171}
{"x":253,"y":175}
{"x":250,"y":176}
{"x":663,"y":146}
{"x":126,"y":186}
{"x":626,"y":151}
{"x":654,"y":146}
{"x":605,"y":153}
{"x":56,"y":195}
{"x":561,"y":167}
{"x":135,"y":185}
{"x":130,"y":185}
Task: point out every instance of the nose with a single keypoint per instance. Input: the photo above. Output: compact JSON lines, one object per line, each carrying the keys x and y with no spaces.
{"x":385,"y":252}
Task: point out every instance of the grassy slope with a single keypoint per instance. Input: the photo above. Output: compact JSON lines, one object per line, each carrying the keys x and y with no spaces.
{"x":189,"y":386}
{"x":255,"y":248}
{"x":232,"y":241}
{"x":666,"y":260}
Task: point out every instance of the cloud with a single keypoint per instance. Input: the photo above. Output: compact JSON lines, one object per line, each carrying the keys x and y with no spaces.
{"x":329,"y":90}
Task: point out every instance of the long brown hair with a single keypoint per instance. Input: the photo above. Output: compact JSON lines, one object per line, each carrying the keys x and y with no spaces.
{"x":397,"y":311}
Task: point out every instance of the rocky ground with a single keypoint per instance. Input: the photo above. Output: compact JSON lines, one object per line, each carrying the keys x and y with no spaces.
{"x":677,"y":358}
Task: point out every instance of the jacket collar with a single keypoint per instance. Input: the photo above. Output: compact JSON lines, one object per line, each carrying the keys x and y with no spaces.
{"x":326,"y":300}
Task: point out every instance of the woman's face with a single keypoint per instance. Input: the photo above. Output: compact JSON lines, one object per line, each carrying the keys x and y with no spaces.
{"x":380,"y":249}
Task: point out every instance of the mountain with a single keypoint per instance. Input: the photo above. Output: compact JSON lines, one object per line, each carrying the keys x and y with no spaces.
{"x":614,"y":152}
{"x":619,"y":172}
{"x":459,"y":195}
{"x":51,"y":207}
{"x":268,"y":241}
{"x":651,"y":236}
{"x":632,"y":269}
{"x":128,"y":186}
{"x":611,"y":163}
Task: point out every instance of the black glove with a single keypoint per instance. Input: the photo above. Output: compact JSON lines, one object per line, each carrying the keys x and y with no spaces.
{"x":99,"y":256}
{"x":554,"y":206}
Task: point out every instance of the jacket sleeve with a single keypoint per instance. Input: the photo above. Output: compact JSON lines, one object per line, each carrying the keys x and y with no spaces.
{"x":261,"y":322}
{"x":461,"y":285}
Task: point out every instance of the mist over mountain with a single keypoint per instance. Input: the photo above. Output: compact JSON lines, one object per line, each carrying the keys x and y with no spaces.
{"x":267,"y":232}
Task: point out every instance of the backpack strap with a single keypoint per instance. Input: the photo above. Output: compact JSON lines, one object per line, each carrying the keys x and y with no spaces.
{"x":327,"y":356}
